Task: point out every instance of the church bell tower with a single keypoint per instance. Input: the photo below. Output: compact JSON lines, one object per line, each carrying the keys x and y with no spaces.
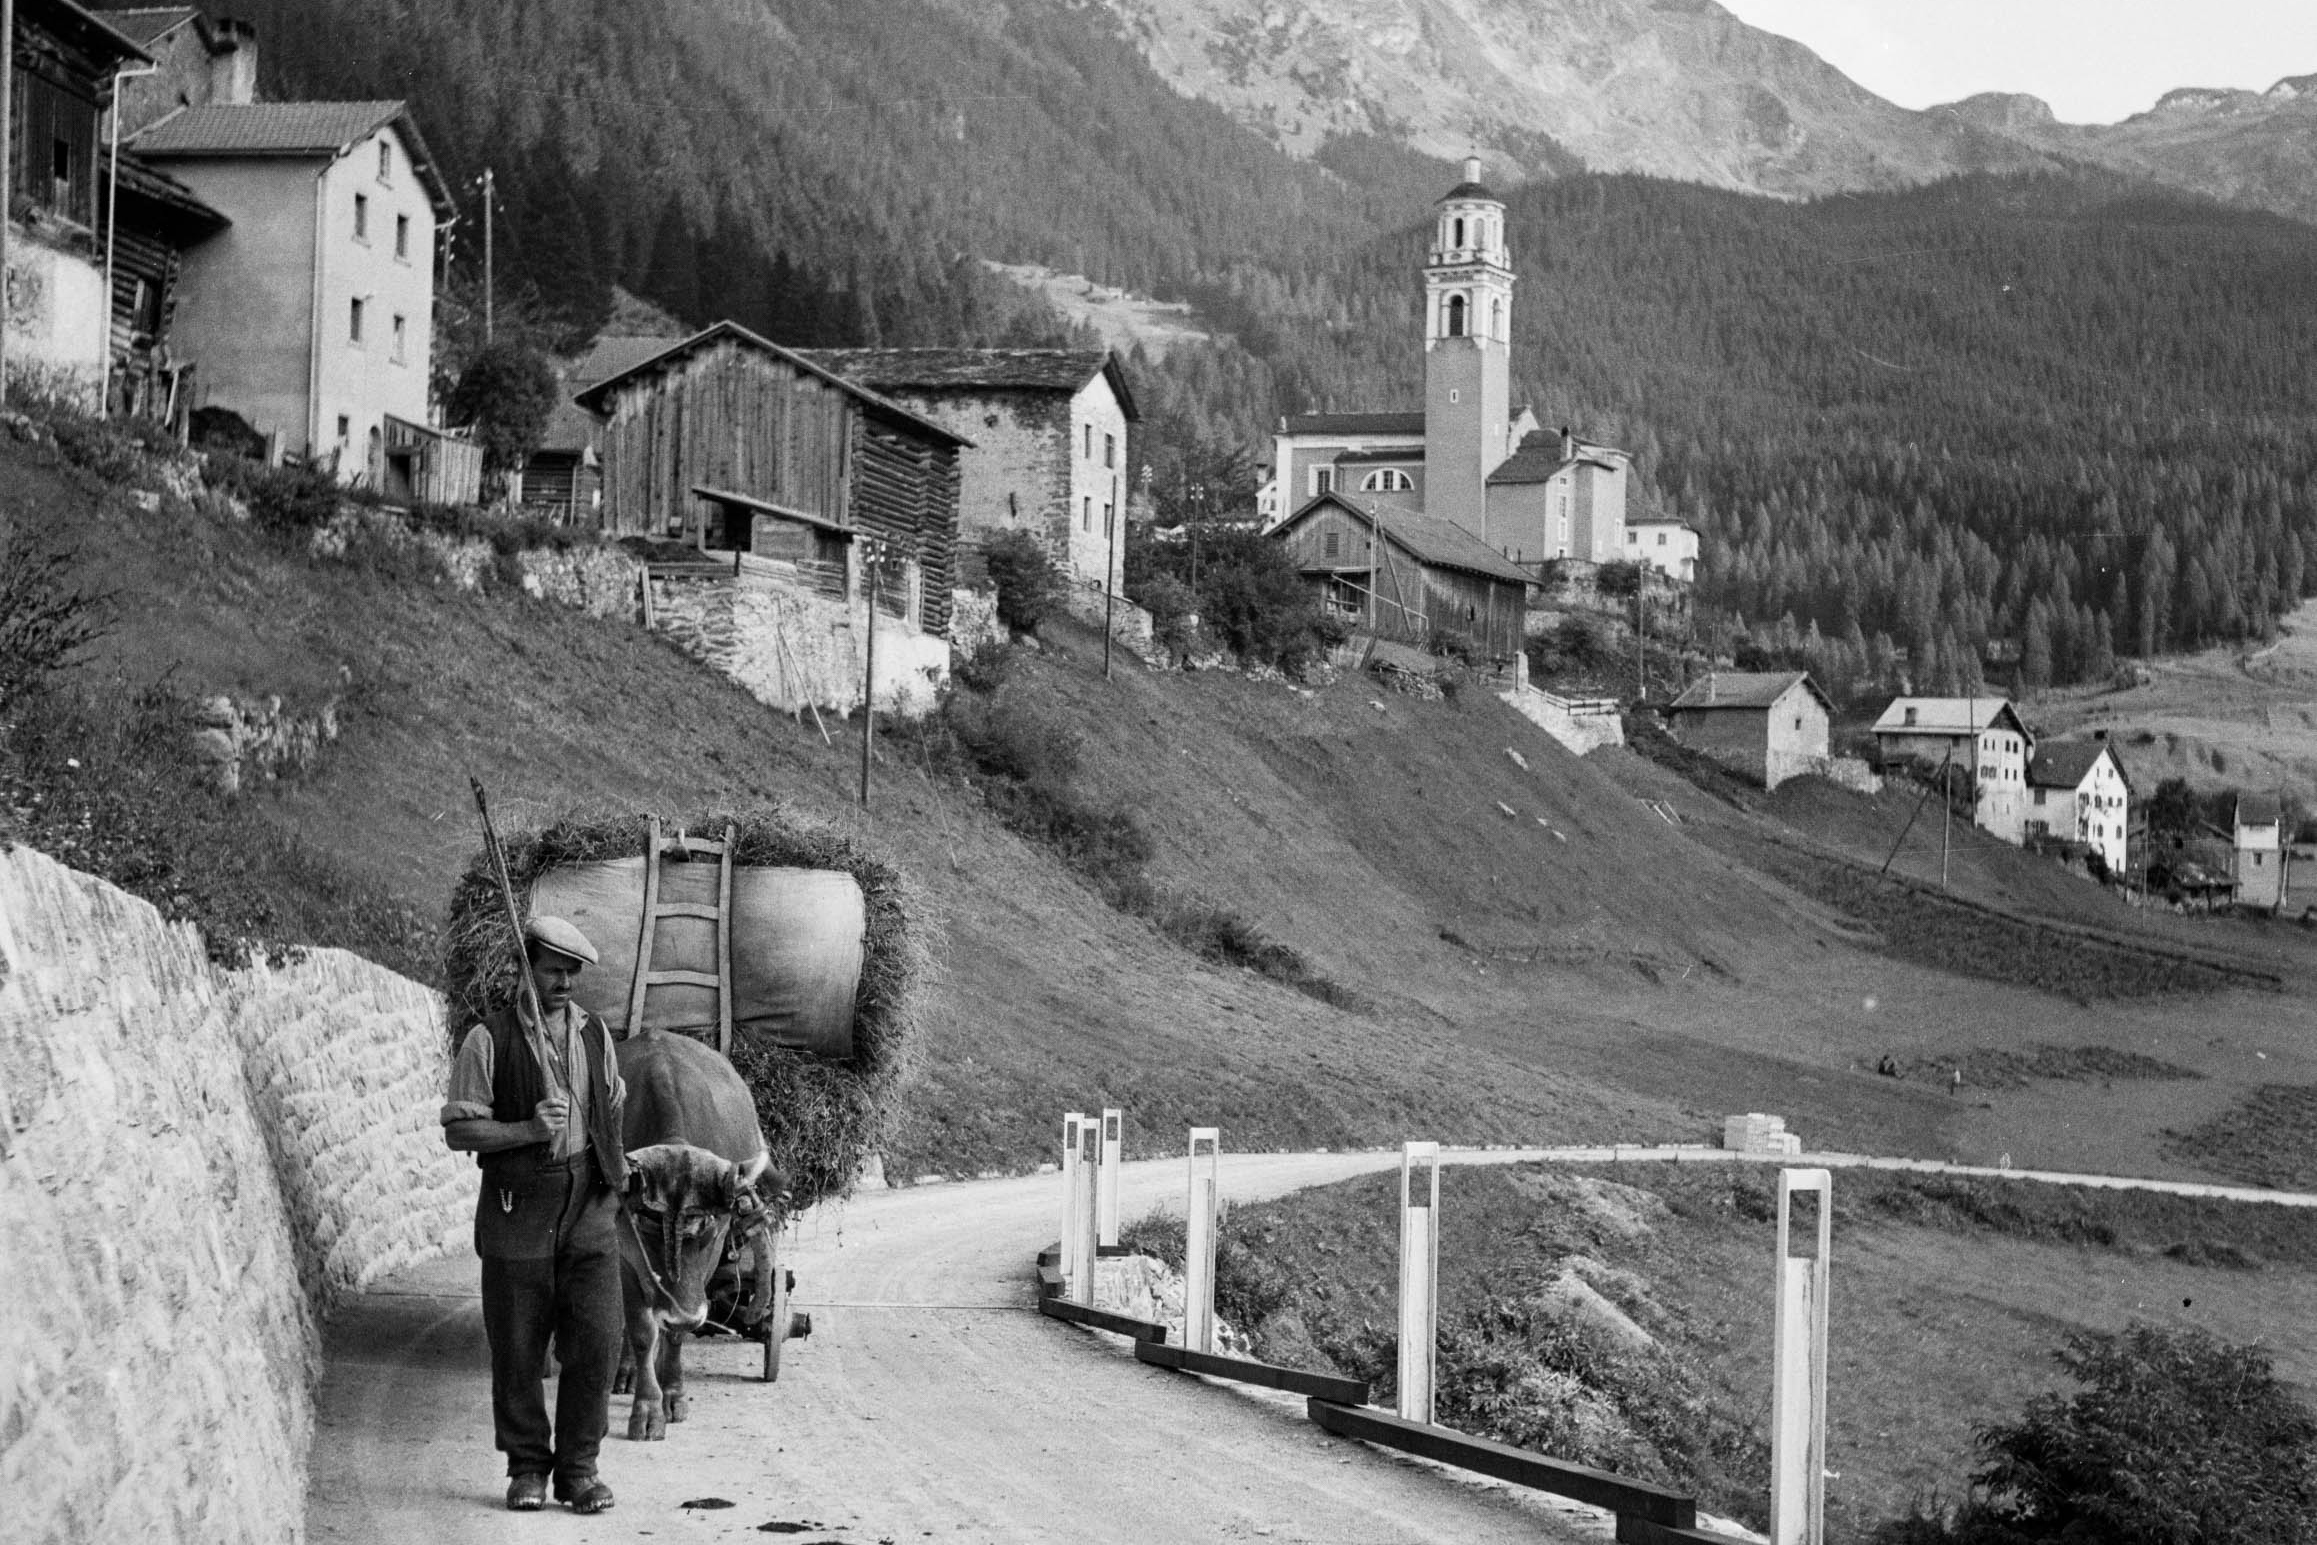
{"x":1467,"y":339}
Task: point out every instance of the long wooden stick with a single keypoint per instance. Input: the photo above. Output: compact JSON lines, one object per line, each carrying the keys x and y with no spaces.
{"x":498,"y":857}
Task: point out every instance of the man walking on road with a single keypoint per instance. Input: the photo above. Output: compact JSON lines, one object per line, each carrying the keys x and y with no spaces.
{"x":538,"y":1105}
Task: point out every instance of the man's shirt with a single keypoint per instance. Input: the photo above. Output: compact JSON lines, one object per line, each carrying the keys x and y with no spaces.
{"x":563,"y":1067}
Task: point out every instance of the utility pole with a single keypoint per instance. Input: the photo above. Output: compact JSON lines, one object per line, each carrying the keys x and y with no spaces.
{"x":1110,"y":586}
{"x":1198,"y":518}
{"x":489,"y":319}
{"x":7,"y":166}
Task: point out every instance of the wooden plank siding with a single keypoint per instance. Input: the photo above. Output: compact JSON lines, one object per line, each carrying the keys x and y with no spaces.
{"x":1399,"y":596}
{"x":729,"y":417}
{"x":740,"y":416}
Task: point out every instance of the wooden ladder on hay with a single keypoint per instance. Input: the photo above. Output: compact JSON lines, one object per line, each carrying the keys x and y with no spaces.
{"x":720,"y":980}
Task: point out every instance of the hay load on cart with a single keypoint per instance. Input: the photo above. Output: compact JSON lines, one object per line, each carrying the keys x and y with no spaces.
{"x":784,"y":943}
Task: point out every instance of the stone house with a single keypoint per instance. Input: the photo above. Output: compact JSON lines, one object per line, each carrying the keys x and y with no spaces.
{"x":2078,"y":791}
{"x":730,"y":442}
{"x":1768,"y":725}
{"x":1050,"y":452}
{"x":1666,"y":543}
{"x":65,"y":67}
{"x":1406,"y":576}
{"x":312,"y":314}
{"x":2259,"y":858}
{"x":1558,"y":497}
{"x":1984,"y":736}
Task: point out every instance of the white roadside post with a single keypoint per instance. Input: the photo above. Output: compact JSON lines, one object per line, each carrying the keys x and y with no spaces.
{"x":1069,"y":1262}
{"x":1083,"y":1230}
{"x":1798,"y":1376}
{"x":1106,"y":1199}
{"x":1199,"y":1240}
{"x":1419,"y":1277}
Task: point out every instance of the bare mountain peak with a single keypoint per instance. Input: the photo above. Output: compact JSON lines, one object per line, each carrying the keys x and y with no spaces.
{"x":2006,"y":112}
{"x":2205,"y":99}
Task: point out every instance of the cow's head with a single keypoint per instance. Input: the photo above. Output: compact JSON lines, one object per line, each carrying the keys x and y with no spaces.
{"x":680,"y":1202}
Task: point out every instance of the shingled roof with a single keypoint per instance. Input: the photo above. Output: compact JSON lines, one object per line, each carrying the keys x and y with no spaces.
{"x":1356,"y":424}
{"x":939,"y":370}
{"x":1539,"y":458}
{"x":142,"y":25}
{"x":1442,"y":544}
{"x":2065,"y":764}
{"x":571,"y":427}
{"x":1755,"y":690}
{"x":288,"y":131}
{"x":1945,"y":715}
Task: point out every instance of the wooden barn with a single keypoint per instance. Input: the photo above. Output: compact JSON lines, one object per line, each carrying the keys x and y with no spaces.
{"x":728,"y":411}
{"x":1391,"y":571}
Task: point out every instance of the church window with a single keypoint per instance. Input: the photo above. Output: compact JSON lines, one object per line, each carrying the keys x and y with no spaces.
{"x":1455,"y":395}
{"x":1387,"y":480}
{"x":1496,"y":321}
{"x":1322,"y":480}
{"x":1455,"y":316}
{"x":1459,"y":241}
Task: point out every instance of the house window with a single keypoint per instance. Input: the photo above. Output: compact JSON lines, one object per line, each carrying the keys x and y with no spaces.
{"x":1086,"y":513}
{"x":354,"y":320}
{"x":1331,"y":545}
{"x":1389,"y":480}
{"x":2039,"y":796}
{"x":1108,"y":515}
{"x":385,"y":162}
{"x":1323,"y":480}
{"x":1090,"y":442}
{"x":402,"y":236}
{"x":345,"y":426}
{"x":1661,"y":539}
{"x":401,"y":337}
{"x":1110,"y":450}
{"x":1910,"y":716}
{"x":53,"y":149}
{"x":361,"y":217}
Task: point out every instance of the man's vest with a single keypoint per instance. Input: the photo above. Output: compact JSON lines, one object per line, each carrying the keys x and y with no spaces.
{"x":518,"y":1085}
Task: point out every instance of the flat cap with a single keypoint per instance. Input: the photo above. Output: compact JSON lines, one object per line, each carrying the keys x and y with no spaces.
{"x":560,"y":936}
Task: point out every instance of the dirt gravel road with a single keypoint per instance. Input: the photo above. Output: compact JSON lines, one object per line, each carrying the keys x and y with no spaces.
{"x":931,"y":1402}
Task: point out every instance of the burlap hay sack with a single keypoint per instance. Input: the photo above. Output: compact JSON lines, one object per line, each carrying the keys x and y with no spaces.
{"x":822,"y":1115}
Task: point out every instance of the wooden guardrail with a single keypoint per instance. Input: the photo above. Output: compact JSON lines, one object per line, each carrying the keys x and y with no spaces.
{"x":1324,"y":1386}
{"x":1101,"y":1319}
{"x":1483,"y":1456}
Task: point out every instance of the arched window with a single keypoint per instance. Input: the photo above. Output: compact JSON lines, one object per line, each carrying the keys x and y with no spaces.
{"x":1387,"y":480}
{"x":1496,"y":320}
{"x":1455,"y":316}
{"x":1459,"y":241}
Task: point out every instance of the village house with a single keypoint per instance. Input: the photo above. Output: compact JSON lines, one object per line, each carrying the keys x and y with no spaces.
{"x":1407,"y":576}
{"x":1981,"y":736}
{"x":1469,"y":457}
{"x":1666,"y":543}
{"x":64,"y":70}
{"x":1770,"y":726}
{"x":729,"y":442}
{"x":2078,"y":791}
{"x":1049,"y":429}
{"x":311,"y":315}
{"x":2259,"y":860}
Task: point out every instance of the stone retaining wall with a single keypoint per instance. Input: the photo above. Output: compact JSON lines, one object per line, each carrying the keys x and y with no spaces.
{"x":194,"y":1165}
{"x":790,"y":648}
{"x":1579,"y":726}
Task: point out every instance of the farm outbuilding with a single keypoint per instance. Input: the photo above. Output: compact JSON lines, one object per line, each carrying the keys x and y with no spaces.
{"x":2258,"y":852}
{"x":1391,"y":571}
{"x":1771,"y":725}
{"x":727,"y":410}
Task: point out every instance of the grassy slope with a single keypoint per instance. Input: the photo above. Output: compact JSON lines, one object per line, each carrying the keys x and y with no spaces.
{"x":1601,"y":974}
{"x":1948,"y":1297}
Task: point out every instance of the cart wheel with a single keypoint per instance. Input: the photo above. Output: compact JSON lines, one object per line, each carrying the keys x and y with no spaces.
{"x":776,"y":1323}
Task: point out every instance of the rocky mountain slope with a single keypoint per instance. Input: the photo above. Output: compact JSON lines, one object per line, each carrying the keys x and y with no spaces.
{"x":1675,"y":88}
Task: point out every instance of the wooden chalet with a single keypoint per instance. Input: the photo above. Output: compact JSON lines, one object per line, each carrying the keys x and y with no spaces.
{"x":1391,"y":571}
{"x":724,"y":436}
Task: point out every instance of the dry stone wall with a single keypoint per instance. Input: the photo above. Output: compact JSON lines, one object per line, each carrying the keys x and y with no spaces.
{"x":791,"y":649}
{"x":194,"y":1165}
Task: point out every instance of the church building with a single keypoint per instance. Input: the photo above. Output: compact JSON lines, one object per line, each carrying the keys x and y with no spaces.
{"x":1470,"y":457}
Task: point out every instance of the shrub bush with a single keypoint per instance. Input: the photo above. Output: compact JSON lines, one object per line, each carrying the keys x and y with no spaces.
{"x":286,"y":500}
{"x":1029,"y":586}
{"x":46,"y":621}
{"x":2174,"y":1439}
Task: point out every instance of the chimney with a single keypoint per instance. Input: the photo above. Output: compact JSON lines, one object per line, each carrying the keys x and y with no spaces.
{"x":233,"y":67}
{"x":1568,"y":444}
{"x":1472,"y":168}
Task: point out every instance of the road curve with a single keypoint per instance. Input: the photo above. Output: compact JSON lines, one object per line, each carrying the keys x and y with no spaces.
{"x":931,"y":1402}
